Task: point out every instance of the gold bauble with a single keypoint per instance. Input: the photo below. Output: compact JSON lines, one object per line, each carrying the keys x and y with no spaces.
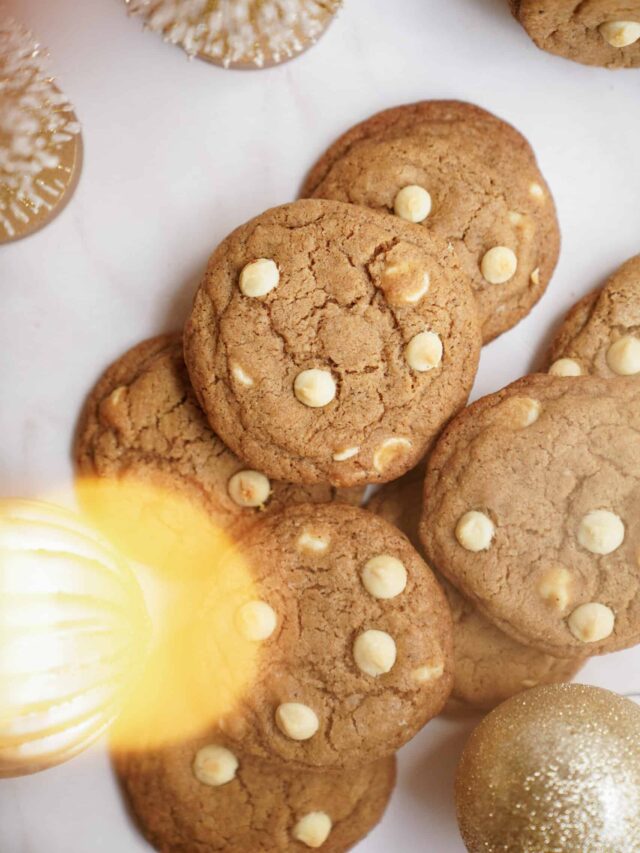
{"x":554,"y":770}
{"x":238,"y":33}
{"x":40,"y":142}
{"x":73,"y":635}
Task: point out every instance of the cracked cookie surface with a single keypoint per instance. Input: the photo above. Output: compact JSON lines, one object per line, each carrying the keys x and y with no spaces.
{"x":361,"y":654}
{"x":331,"y":343}
{"x":484,"y":188}
{"x":601,"y":333}
{"x":142,"y":420}
{"x":531,"y":508}
{"x":489,"y":666}
{"x":595,"y":32}
{"x":260,"y":809}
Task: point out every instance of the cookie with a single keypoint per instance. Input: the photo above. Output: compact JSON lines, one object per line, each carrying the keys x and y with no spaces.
{"x":330,"y":343}
{"x":204,"y":796}
{"x":489,"y":666}
{"x":465,"y":176}
{"x":601,"y":334}
{"x":356,"y":651}
{"x":142,"y":420}
{"x":531,"y":508}
{"x":598,"y":32}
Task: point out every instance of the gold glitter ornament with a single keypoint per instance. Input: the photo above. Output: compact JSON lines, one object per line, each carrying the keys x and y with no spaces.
{"x":40,"y":142}
{"x":238,"y":33}
{"x":554,"y":770}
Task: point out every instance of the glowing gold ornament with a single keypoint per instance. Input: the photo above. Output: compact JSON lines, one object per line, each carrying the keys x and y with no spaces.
{"x":238,"y":33}
{"x":40,"y":142}
{"x":73,"y":635}
{"x":554,"y":770}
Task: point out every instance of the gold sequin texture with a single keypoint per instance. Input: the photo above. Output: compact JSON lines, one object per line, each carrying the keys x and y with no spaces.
{"x":554,"y":770}
{"x":40,"y":142}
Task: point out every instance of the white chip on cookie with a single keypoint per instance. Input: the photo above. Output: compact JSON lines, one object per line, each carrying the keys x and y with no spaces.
{"x":555,"y":587}
{"x":592,"y":622}
{"x":313,"y":829}
{"x":424,"y":351}
{"x":475,"y":531}
{"x":620,"y":33}
{"x":390,"y":450}
{"x":384,"y":576}
{"x":535,"y":276}
{"x":345,"y":453}
{"x":249,"y":488}
{"x":499,"y":265}
{"x":297,"y":721}
{"x":312,"y":542}
{"x":412,"y":203}
{"x":374,"y":652}
{"x":601,"y":531}
{"x":536,"y":190}
{"x":214,"y":765}
{"x":259,"y":277}
{"x":256,"y":620}
{"x":623,"y":356}
{"x":428,"y":672}
{"x":315,"y":388}
{"x":241,"y":376}
{"x":565,"y":367}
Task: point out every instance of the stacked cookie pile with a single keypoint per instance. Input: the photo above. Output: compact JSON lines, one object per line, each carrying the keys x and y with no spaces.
{"x":331,"y":342}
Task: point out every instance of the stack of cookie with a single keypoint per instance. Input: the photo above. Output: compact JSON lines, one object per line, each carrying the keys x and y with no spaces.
{"x":331,"y":342}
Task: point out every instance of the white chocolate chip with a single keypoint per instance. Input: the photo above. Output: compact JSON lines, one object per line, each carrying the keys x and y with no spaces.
{"x":535,"y":276}
{"x":601,"y":532}
{"x":475,"y":531}
{"x":424,"y":351}
{"x":384,"y":576}
{"x":554,"y":587}
{"x":388,"y":451}
{"x":623,"y":356}
{"x":427,"y":673}
{"x":241,"y":376}
{"x":297,"y":721}
{"x":404,"y":282}
{"x":374,"y":652}
{"x":345,"y":453}
{"x":214,"y":765}
{"x":515,"y":218}
{"x":249,"y":488}
{"x":256,"y":620}
{"x":620,"y":33}
{"x":259,"y":277}
{"x":499,"y":265}
{"x":116,"y":396}
{"x":592,"y":622}
{"x":315,"y":388}
{"x":313,"y":829}
{"x":565,"y":367}
{"x":528,"y":683}
{"x":536,"y":190}
{"x":312,"y":542}
{"x":413,"y":203}
{"x":524,"y":411}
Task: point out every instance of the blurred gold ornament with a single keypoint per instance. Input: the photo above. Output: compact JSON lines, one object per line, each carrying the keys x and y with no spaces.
{"x":238,"y":33}
{"x":40,"y":142}
{"x":554,"y":770}
{"x":73,"y":635}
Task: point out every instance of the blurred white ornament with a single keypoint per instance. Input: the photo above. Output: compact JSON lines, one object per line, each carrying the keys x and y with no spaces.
{"x":73,"y":635}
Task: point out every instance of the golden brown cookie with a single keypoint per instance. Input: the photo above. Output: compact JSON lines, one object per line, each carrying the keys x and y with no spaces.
{"x":601,"y":333}
{"x":202,"y":796}
{"x":356,"y":651}
{"x":489,"y":666}
{"x":466,"y":177}
{"x":531,"y":509}
{"x":595,"y":32}
{"x":331,"y":343}
{"x":142,"y":420}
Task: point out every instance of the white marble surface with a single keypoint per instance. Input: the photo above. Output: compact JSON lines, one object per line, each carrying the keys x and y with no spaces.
{"x":177,"y":154}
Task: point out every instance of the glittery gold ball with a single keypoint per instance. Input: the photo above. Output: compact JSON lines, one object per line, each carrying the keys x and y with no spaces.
{"x":554,"y":770}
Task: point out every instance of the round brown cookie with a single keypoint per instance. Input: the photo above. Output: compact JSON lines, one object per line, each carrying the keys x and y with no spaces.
{"x":489,"y":666}
{"x":595,"y":32}
{"x":203,"y":796}
{"x":601,"y":333}
{"x":142,"y":420}
{"x":331,"y":343}
{"x":355,"y":654}
{"x":531,"y":509}
{"x":469,"y":178}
